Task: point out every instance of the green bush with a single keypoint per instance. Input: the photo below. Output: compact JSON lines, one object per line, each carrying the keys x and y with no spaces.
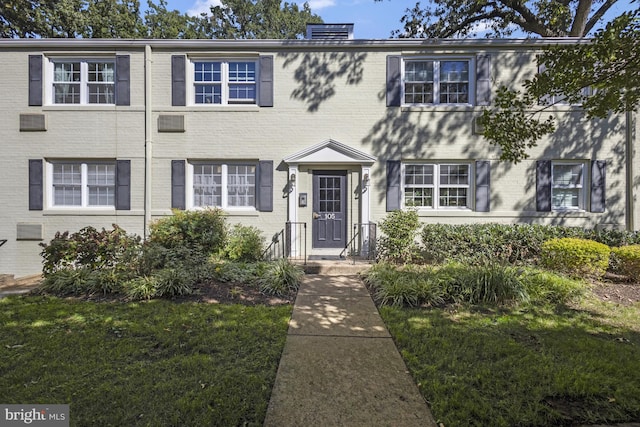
{"x":203,"y":230}
{"x":140,"y":288}
{"x":400,"y":230}
{"x":478,"y":244}
{"x":67,"y":281}
{"x":280,"y":277}
{"x":92,"y":249}
{"x":626,"y":260}
{"x":576,"y":256}
{"x":244,"y":244}
{"x":171,"y":282}
{"x":547,"y":287}
{"x":493,"y":284}
{"x":405,"y":286}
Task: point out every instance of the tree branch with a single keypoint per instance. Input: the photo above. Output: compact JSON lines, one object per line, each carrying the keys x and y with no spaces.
{"x":580,"y":18}
{"x":598,"y":15}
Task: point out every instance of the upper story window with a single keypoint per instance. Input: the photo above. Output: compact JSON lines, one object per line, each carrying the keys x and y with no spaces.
{"x":83,"y":82}
{"x":430,"y":81}
{"x":224,"y":82}
{"x":82,"y":184}
{"x":567,"y":186}
{"x":437,"y":186}
{"x":224,"y":185}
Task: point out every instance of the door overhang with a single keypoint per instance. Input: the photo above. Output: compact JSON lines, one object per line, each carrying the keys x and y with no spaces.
{"x":330,"y":152}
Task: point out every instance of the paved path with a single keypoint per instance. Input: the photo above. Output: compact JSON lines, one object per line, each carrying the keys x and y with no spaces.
{"x":340,"y":366}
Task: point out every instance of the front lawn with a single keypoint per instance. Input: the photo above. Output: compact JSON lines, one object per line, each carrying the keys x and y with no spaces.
{"x":151,"y":363}
{"x":527,"y":366}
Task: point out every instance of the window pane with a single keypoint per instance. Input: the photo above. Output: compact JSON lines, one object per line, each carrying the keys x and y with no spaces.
{"x":453,"y":197}
{"x":242,"y":94}
{"x":244,"y":72}
{"x":454,"y":71}
{"x":67,"y":181}
{"x":66,"y":72}
{"x":418,"y":93}
{"x":454,"y":93}
{"x":418,"y":197}
{"x":101,"y":72}
{"x":64,"y":93}
{"x":241,"y":185}
{"x":208,"y":94}
{"x":418,"y":175}
{"x":566,"y":198}
{"x":567,"y":175}
{"x":207,"y":185}
{"x":418,"y":71}
{"x":208,"y":72}
{"x":454,"y":175}
{"x":101,"y":94}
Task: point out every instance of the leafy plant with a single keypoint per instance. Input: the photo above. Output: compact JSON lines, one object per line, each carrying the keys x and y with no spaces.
{"x":140,"y":288}
{"x":201,"y":230}
{"x":576,"y":256}
{"x":171,"y":282}
{"x":494,"y":284}
{"x":280,"y":277}
{"x":400,"y":230}
{"x":548,"y":287}
{"x":627,"y":260}
{"x":244,"y":243}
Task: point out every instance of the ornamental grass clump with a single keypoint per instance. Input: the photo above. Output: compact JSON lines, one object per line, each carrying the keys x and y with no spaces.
{"x":576,"y":257}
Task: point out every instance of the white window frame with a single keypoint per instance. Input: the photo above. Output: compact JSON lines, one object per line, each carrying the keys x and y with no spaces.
{"x":436,"y":79}
{"x":225,"y":82}
{"x":84,"y":185}
{"x":581,"y":186}
{"x":224,"y":184}
{"x":83,"y":83}
{"x":437,"y":185}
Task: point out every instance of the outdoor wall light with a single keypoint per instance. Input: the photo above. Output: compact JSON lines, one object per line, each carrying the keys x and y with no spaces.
{"x":292,"y":178}
{"x":365,"y":180}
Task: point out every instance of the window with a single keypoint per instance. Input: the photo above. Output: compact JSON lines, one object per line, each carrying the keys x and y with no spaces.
{"x":224,"y":82}
{"x":436,"y":82}
{"x":76,"y":184}
{"x":435,"y":186}
{"x":83,"y":82}
{"x":224,"y":185}
{"x":567,"y":187}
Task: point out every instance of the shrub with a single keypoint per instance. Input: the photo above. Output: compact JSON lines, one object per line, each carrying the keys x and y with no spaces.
{"x":547,"y":287}
{"x":238,"y":272}
{"x":280,"y":277}
{"x":244,"y":244}
{"x":400,"y":230}
{"x":92,"y":249}
{"x":627,"y":260}
{"x":576,"y":256}
{"x":68,"y":281}
{"x":492,"y":284}
{"x":405,"y":286}
{"x":201,"y":230}
{"x":171,"y":282}
{"x":140,"y":288}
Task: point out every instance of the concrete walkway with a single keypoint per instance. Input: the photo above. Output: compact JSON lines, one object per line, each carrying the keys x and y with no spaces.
{"x":340,"y":366}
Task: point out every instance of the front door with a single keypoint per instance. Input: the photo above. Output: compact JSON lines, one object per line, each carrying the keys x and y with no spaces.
{"x":329,"y":226}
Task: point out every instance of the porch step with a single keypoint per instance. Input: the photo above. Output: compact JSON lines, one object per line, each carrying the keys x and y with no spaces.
{"x":335,"y":267}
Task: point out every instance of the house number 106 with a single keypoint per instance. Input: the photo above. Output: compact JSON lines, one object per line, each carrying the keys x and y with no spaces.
{"x":329,"y":216}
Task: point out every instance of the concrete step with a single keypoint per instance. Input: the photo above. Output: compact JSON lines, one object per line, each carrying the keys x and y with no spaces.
{"x":335,"y":267}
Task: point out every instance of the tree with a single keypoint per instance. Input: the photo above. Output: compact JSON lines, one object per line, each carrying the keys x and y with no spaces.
{"x":161,"y":23}
{"x":545,"y":18}
{"x":258,"y":19}
{"x":602,"y":75}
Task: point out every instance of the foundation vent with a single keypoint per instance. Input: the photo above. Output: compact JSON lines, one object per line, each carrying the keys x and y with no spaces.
{"x":32,"y":123}
{"x":170,"y":123}
{"x":29,"y":231}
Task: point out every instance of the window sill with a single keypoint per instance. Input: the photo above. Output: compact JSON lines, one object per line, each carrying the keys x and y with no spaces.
{"x":90,"y":107}
{"x":214,"y":108}
{"x":436,"y":108}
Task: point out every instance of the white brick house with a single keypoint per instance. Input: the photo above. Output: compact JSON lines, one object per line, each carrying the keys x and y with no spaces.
{"x":327,"y":132}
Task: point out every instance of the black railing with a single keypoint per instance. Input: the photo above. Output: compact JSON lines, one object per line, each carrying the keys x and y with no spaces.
{"x":296,"y":241}
{"x":3,"y":241}
{"x":291,"y":242}
{"x":362,"y":245}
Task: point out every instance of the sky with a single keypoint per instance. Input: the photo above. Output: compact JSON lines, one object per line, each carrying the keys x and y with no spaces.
{"x":371,"y":19}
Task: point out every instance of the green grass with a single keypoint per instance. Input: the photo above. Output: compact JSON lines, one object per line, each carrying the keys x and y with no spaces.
{"x":151,"y":363}
{"x":534,"y":366}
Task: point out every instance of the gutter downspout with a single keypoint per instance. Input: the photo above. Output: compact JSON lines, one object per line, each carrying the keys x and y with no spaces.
{"x":630,"y":154}
{"x":148,"y":143}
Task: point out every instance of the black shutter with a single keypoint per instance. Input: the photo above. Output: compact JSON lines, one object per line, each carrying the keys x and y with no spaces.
{"x":598,"y":186}
{"x":394,"y":179}
{"x":35,"y":80}
{"x":543,"y":185}
{"x":483,"y":80}
{"x":36,"y":184}
{"x":178,"y":185}
{"x":265,"y":186}
{"x":178,"y":81}
{"x":123,"y":86}
{"x":483,"y":182}
{"x":265,"y":95}
{"x":123,"y":185}
{"x":394,"y":82}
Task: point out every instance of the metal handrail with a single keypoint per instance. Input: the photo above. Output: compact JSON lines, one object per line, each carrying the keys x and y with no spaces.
{"x":271,"y":252}
{"x":361,"y":246}
{"x":2,"y":242}
{"x":296,"y":241}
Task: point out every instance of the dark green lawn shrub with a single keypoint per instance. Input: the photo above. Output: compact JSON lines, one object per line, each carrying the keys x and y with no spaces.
{"x":244,"y":244}
{"x":280,"y":277}
{"x":140,"y":288}
{"x":171,"y":282}
{"x":576,"y":256}
{"x":200,"y":230}
{"x":405,"y":286}
{"x":491,"y":284}
{"x":626,"y":260}
{"x":92,"y":249}
{"x":398,"y":242}
{"x":67,"y":281}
